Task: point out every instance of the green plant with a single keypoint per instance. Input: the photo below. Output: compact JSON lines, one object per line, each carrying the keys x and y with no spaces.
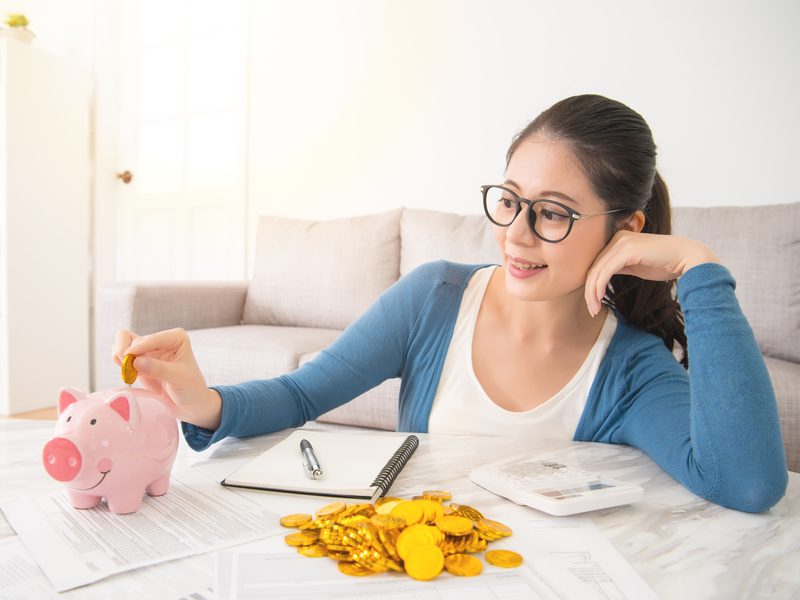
{"x":18,"y":20}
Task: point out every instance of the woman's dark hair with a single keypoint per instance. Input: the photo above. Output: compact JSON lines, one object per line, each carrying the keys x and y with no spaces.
{"x":615,"y":149}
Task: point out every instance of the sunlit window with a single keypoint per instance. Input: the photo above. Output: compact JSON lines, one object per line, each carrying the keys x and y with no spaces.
{"x":189,"y":72}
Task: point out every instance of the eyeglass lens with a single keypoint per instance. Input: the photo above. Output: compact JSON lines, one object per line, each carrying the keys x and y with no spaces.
{"x":550,"y":221}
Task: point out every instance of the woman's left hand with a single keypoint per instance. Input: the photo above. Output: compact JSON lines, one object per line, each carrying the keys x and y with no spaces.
{"x":644,"y":255}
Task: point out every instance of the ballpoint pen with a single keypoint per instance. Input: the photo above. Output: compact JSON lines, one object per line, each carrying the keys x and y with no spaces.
{"x":311,"y":464}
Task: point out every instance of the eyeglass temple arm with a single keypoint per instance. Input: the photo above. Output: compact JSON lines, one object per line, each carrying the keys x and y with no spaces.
{"x":607,"y":212}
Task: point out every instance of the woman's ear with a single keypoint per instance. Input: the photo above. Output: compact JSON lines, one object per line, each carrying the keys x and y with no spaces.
{"x":634,"y":223}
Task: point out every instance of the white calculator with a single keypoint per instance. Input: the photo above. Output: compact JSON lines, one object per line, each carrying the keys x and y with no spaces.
{"x":555,"y":488}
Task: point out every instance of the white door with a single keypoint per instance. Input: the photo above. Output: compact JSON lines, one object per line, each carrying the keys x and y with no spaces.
{"x":183,"y":116}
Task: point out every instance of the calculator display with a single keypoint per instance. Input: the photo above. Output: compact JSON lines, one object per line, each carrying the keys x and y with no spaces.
{"x":572,"y":491}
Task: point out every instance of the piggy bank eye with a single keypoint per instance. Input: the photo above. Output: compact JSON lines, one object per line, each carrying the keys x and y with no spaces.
{"x":93,"y":421}
{"x":69,"y":419}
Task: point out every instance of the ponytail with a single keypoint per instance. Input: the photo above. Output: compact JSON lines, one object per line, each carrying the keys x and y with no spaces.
{"x":652,"y":305}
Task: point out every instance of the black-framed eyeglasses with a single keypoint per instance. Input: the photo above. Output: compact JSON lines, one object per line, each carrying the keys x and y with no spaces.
{"x":550,"y":221}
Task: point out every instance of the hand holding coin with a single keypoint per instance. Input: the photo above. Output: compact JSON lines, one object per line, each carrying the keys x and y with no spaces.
{"x":167,"y":367}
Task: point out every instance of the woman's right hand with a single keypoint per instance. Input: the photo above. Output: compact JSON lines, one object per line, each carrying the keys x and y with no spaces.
{"x":167,"y":367}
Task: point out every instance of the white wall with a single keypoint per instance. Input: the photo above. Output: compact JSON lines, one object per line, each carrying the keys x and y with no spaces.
{"x":360,"y":106}
{"x":44,"y":226}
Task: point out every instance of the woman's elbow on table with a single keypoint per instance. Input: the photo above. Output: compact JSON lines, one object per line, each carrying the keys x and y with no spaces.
{"x":758,"y":494}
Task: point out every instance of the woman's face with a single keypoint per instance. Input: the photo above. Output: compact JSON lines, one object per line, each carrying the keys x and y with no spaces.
{"x":536,"y":270}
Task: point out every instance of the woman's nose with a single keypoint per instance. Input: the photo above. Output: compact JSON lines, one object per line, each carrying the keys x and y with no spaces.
{"x":519,"y":231}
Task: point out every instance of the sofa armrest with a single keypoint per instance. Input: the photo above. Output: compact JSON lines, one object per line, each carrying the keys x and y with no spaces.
{"x":149,"y":307}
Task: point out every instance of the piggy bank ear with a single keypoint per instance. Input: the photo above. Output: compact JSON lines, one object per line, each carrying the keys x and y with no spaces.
{"x":125,"y":404}
{"x":67,"y":396}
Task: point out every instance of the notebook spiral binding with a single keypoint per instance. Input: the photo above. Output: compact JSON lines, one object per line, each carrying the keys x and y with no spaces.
{"x":392,"y":468}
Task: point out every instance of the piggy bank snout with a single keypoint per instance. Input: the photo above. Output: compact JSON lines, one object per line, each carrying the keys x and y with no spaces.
{"x":62,"y":459}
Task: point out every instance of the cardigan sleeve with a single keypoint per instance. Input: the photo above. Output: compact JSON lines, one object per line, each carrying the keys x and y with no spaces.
{"x":372,"y":349}
{"x":715,"y":429}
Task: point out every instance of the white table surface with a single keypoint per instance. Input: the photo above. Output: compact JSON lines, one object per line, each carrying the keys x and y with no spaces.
{"x":683,"y":546}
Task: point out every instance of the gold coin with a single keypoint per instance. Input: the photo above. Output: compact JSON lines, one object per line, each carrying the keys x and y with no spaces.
{"x":416,"y":535}
{"x":313,"y":550}
{"x":475,"y":544}
{"x":425,"y":562}
{"x":128,"y":372}
{"x":412,"y":512}
{"x":486,"y":532}
{"x":388,"y":538}
{"x":431,"y":510}
{"x":503,"y":558}
{"x":331,"y":509}
{"x":454,"y":525}
{"x":295,"y":520}
{"x":354,"y":569}
{"x":316,"y":524}
{"x":374,"y":561}
{"x":385,"y":499}
{"x":338,"y":548}
{"x":388,"y":521}
{"x":353,"y":521}
{"x":386,"y":508}
{"x":343,"y":555}
{"x":355,"y":510}
{"x":463,"y":565}
{"x":301,"y":538}
{"x":469,"y":512}
{"x":331,"y":536}
{"x":494,"y":526}
{"x":437,"y":496}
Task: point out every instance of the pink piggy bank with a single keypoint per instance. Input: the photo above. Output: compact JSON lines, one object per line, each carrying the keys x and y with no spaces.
{"x":115,"y":444}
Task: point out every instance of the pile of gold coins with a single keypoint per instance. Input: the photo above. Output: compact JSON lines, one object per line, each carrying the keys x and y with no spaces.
{"x":421,"y":537}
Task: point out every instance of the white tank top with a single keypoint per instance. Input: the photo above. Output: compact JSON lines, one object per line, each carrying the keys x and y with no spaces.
{"x":461,"y":406}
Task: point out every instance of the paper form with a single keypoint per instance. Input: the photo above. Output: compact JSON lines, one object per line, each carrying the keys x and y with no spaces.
{"x":564,"y":558}
{"x":77,"y":547}
{"x":580,"y":547}
{"x":269,"y":569}
{"x":186,"y":578}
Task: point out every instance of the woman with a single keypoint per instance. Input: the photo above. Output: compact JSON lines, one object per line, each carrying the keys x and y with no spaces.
{"x":582,"y":222}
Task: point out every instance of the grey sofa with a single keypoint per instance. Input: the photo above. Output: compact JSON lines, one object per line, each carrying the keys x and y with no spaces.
{"x":313,"y":278}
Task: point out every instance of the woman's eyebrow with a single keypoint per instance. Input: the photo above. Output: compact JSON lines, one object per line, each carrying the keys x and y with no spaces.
{"x":548,"y":193}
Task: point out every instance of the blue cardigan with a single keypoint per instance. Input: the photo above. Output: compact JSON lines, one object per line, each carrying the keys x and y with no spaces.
{"x":717,"y":432}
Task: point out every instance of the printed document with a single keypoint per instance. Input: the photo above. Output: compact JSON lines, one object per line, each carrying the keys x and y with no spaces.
{"x":563,"y":559}
{"x":76,"y":547}
{"x":183,"y":578}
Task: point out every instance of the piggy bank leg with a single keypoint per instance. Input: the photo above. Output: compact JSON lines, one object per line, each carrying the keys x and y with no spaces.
{"x":82,"y":500}
{"x":125,"y":504}
{"x":160,"y":486}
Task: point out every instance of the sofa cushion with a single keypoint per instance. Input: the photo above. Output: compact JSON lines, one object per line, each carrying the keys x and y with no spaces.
{"x":760,"y":245}
{"x":229,"y":355}
{"x":321,"y":273}
{"x":376,"y":408}
{"x":429,"y":235}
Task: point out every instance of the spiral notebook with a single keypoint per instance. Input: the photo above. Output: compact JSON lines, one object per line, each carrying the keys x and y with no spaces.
{"x":353,"y":466}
